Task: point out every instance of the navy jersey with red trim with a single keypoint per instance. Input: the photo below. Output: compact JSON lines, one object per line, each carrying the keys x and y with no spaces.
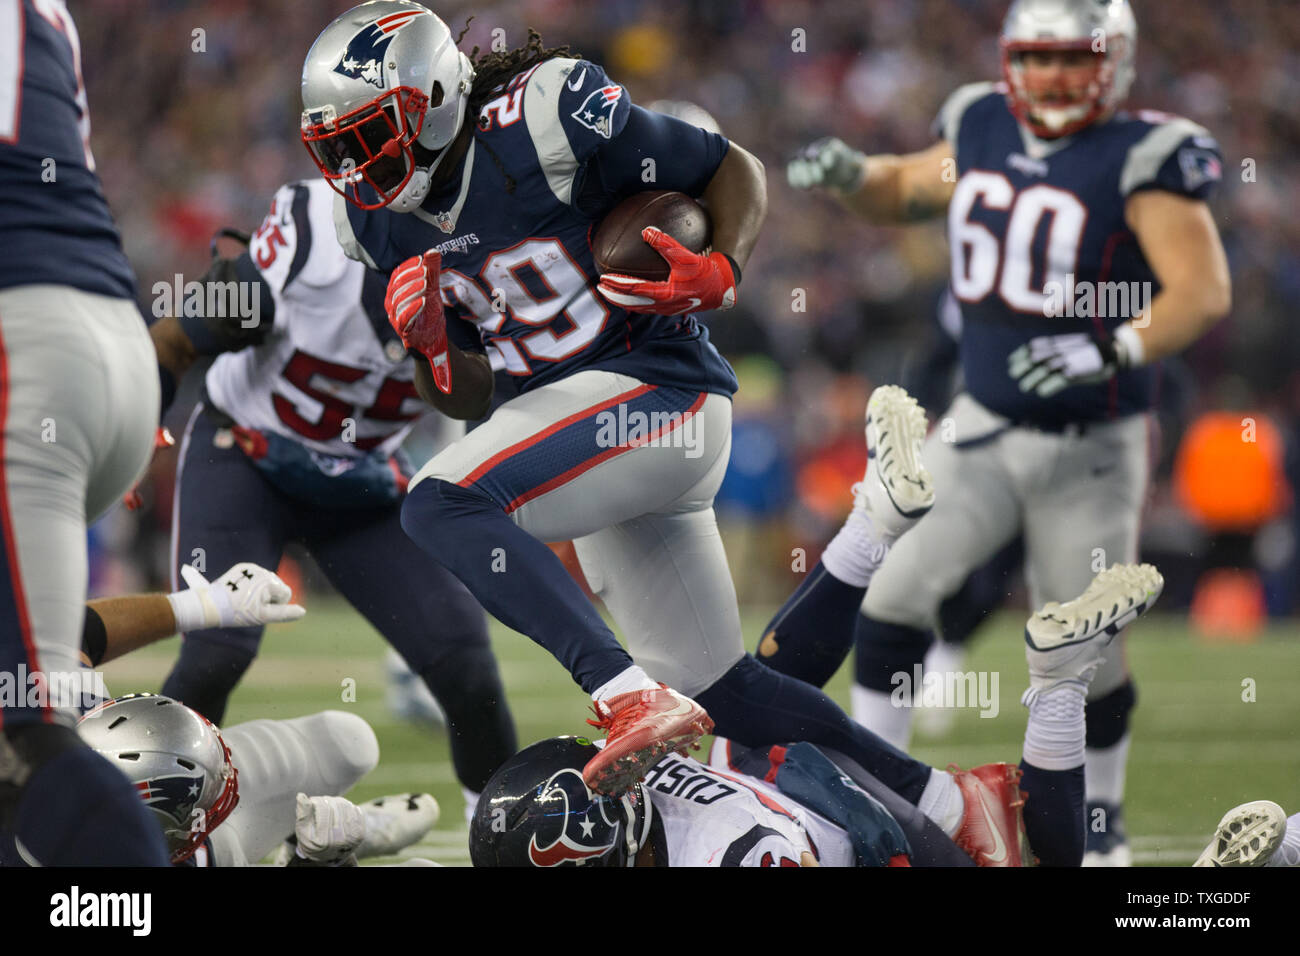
{"x":558,"y":148}
{"x":1040,"y":245}
{"x":56,"y":224}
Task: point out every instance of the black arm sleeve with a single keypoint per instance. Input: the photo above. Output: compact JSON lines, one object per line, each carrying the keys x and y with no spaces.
{"x":94,"y":637}
{"x":684,"y":157}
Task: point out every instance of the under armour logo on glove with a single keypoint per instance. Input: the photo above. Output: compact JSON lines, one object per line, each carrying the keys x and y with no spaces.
{"x":245,"y":596}
{"x":695,"y":283}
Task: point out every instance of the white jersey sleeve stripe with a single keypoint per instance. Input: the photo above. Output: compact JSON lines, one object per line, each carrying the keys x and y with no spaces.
{"x":948,"y":122}
{"x":1147,"y":155}
{"x":542,"y":116}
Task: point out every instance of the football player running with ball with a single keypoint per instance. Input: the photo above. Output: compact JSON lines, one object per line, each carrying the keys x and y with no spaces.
{"x":1062,"y":212}
{"x":478,"y":184}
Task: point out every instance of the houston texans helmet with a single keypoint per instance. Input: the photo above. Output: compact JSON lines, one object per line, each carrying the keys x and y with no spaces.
{"x":537,"y":811}
{"x":1104,"y":27}
{"x":176,"y":758}
{"x":381,"y":78}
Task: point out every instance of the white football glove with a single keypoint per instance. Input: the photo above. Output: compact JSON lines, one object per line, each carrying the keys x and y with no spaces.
{"x":829,"y":163}
{"x":328,"y":829}
{"x":245,"y":596}
{"x":1050,"y":363}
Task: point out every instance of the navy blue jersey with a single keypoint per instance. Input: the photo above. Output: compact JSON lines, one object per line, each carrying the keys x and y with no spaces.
{"x":548,"y":158}
{"x":56,"y":225}
{"x":1040,"y":245}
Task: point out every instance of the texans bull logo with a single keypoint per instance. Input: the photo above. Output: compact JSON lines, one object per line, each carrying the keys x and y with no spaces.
{"x":364,"y":56}
{"x":574,"y":826}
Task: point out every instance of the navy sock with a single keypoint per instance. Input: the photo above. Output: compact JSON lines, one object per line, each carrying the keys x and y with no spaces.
{"x":1107,"y":717}
{"x":811,"y":635}
{"x":884,"y":650}
{"x":205,"y":675}
{"x":756,"y":706}
{"x":516,"y":578}
{"x":467,"y":684}
{"x":77,"y":809}
{"x":1054,"y":814}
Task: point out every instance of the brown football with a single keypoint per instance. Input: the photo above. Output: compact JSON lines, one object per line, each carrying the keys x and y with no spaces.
{"x":618,"y":246}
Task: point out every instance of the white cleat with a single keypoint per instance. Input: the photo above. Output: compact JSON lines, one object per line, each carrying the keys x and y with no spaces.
{"x":896,"y":490}
{"x":1247,"y":836}
{"x":1064,"y":642}
{"x":396,"y":822}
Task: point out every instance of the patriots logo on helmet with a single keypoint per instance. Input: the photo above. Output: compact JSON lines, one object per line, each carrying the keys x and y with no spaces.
{"x":597,"y":110}
{"x":364,"y":56}
{"x":577,"y":818}
{"x":173,"y":795}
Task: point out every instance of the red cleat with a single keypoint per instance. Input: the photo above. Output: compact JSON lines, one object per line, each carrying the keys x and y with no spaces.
{"x":640,"y":727}
{"x":993,"y":824}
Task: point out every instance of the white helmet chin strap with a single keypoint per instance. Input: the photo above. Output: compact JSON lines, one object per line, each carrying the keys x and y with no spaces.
{"x":413,"y":193}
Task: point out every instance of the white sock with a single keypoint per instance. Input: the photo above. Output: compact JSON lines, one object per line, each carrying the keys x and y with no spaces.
{"x":874,"y":709}
{"x":471,"y":803}
{"x":1055,"y":734}
{"x":856,"y":551}
{"x":1288,"y":853}
{"x":942,"y":802}
{"x":1104,"y":772}
{"x":627,"y":681}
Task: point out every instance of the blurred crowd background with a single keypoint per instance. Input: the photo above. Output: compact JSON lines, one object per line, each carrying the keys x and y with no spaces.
{"x":195,"y":109}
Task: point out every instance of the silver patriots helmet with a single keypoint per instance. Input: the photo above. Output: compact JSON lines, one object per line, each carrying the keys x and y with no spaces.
{"x":380,"y":78}
{"x":176,"y":758}
{"x":1104,"y":27}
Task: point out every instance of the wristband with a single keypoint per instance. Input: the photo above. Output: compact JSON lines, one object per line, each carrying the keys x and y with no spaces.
{"x":735,"y":269}
{"x":194,"y":610}
{"x":1128,"y":346}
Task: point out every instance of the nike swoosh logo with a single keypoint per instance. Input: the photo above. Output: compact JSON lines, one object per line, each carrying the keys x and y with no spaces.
{"x":576,"y":85}
{"x":695,"y":303}
{"x":999,"y":847}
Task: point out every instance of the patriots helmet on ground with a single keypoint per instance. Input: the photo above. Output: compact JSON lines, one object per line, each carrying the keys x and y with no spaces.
{"x":537,"y":811}
{"x":384,"y":93}
{"x":176,"y":758}
{"x":1106,"y":28}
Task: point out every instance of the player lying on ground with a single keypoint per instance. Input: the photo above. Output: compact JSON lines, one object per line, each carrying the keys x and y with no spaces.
{"x":297,"y":438}
{"x":499,"y":176}
{"x":537,"y":811}
{"x":230,"y":798}
{"x":186,"y":773}
{"x":1083,"y":252}
{"x":1258,"y":833}
{"x":792,"y":806}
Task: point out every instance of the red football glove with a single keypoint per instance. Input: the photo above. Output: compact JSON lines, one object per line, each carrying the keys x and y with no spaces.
{"x":414,"y":307}
{"x":695,"y":283}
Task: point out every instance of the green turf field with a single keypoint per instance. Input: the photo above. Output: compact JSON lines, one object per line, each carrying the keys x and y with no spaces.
{"x":1198,"y":747}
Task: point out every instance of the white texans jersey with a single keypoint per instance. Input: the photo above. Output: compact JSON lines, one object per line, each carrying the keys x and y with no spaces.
{"x":331,"y":373}
{"x":715,"y":817}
